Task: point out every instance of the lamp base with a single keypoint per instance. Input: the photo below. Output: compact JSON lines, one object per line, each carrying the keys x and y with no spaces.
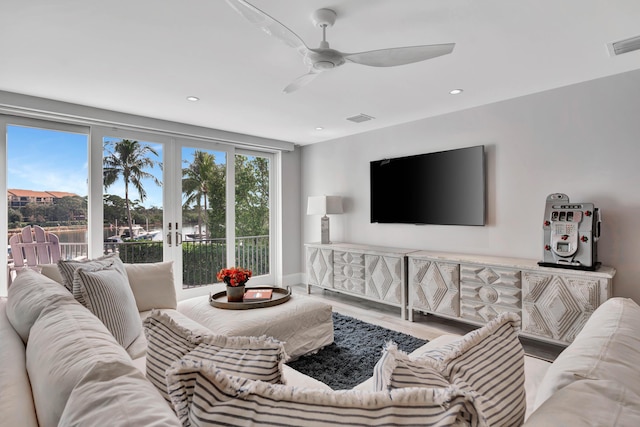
{"x":324,"y":230}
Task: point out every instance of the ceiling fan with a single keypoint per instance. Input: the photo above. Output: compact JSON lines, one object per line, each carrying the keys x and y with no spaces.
{"x":323,"y":57}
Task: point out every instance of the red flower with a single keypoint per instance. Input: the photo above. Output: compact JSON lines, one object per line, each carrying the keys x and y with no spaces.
{"x":234,"y":276}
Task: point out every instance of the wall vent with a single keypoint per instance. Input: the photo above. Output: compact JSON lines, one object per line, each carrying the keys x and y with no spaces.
{"x":624,"y":46}
{"x":360,"y":118}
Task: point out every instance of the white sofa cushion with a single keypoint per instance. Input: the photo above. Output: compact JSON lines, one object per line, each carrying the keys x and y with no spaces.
{"x":152,"y":285}
{"x":106,"y":293}
{"x":28,"y":295}
{"x":258,"y":358}
{"x":65,"y":343}
{"x":488,"y":360}
{"x":589,"y":403}
{"x":16,"y":400}
{"x":608,"y":347}
{"x":116,"y":394}
{"x":206,"y":396}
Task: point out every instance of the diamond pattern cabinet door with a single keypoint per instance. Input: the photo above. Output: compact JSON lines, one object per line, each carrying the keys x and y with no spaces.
{"x":556,"y":306}
{"x":349,"y":272}
{"x":486,"y":292}
{"x":384,"y":278}
{"x":320,"y":267}
{"x":434,"y":286}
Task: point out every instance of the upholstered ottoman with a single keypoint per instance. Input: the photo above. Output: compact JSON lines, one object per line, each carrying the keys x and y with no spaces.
{"x":304,"y":324}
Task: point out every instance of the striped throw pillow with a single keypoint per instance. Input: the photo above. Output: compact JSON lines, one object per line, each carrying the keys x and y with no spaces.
{"x":106,"y":293}
{"x":167,"y":342}
{"x":67,"y":268}
{"x":396,"y":369}
{"x":488,"y":361}
{"x":258,"y":358}
{"x":206,"y":396}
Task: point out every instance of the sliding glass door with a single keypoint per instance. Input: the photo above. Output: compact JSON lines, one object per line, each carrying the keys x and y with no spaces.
{"x":147,"y":196}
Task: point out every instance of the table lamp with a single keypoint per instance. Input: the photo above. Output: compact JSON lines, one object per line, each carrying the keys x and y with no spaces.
{"x":324,"y":205}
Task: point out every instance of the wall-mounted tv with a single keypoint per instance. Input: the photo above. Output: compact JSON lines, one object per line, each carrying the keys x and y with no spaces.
{"x":447,"y":187}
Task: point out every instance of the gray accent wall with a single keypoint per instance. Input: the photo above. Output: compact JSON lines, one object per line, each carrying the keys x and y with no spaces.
{"x":582,"y":140}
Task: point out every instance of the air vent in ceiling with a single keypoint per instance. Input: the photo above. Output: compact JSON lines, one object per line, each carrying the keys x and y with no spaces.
{"x":360,"y":118}
{"x":624,"y":46}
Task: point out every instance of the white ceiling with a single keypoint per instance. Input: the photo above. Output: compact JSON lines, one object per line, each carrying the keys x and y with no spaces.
{"x":146,"y":56}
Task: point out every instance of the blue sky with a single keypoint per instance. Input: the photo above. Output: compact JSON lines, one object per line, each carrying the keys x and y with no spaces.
{"x":46,"y":160}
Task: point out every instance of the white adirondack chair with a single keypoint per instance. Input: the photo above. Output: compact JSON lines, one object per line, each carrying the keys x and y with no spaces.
{"x":32,"y":247}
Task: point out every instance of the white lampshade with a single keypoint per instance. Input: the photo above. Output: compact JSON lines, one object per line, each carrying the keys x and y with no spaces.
{"x":323,"y":205}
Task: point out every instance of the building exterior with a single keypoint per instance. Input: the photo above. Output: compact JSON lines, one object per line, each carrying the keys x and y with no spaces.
{"x":20,"y":198}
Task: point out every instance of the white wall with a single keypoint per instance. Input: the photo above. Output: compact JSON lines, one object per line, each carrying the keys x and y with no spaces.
{"x":582,"y":140}
{"x":291,"y":218}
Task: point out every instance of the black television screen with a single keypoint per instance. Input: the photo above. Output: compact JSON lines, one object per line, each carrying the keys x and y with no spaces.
{"x":446,"y":187}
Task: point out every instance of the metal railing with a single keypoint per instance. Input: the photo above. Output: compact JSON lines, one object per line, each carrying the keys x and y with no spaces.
{"x":201,"y":259}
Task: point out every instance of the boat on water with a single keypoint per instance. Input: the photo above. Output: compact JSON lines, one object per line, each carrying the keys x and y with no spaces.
{"x":139,"y":233}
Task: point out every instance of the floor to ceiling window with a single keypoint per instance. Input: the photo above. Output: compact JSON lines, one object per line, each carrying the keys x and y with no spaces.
{"x":147,"y":196}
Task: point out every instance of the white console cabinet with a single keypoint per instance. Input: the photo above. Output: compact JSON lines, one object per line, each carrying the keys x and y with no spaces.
{"x":554,"y":303}
{"x":371,"y":272}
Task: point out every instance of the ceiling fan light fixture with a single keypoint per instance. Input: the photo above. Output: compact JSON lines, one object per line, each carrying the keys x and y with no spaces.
{"x":456,"y":91}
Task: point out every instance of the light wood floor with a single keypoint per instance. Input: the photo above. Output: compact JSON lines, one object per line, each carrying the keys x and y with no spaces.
{"x":424,"y":326}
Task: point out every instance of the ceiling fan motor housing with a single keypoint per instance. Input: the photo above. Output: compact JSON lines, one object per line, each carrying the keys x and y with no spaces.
{"x":324,"y":59}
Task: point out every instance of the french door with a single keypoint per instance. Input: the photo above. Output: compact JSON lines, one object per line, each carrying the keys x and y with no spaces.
{"x":200,"y":204}
{"x":223,"y":217}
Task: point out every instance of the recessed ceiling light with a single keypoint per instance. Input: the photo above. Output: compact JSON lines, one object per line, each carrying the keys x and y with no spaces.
{"x":193,"y":98}
{"x":319,"y":128}
{"x":456,"y":91}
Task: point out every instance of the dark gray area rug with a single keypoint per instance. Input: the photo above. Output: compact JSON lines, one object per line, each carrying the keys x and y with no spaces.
{"x":355,"y":351}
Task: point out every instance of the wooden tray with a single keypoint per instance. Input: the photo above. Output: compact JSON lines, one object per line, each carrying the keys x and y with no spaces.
{"x":279,"y":295}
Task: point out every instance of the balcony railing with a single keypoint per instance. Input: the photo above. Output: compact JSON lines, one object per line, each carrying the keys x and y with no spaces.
{"x":201,"y":259}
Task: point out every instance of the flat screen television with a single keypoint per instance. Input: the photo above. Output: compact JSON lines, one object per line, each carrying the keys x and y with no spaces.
{"x":447,"y":187}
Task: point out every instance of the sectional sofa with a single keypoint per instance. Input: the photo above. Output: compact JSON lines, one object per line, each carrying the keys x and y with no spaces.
{"x":62,"y":365}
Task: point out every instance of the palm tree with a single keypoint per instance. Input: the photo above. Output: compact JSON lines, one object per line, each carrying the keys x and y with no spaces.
{"x":196,"y":181}
{"x":129,"y":159}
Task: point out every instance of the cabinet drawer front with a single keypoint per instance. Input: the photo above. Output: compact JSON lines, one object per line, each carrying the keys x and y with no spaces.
{"x":352,"y":258}
{"x":349,"y":284}
{"x":486,"y":292}
{"x":349,"y":271}
{"x":434,"y":286}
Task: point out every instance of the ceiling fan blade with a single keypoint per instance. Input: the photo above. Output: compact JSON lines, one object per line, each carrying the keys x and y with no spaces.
{"x":268,"y":24}
{"x":399,"y":55}
{"x":300,"y":81}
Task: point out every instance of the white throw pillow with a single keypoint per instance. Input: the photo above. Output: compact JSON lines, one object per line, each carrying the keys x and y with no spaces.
{"x":259,"y":358}
{"x":28,"y":295}
{"x":152,"y":285}
{"x":106,"y":293}
{"x":51,"y":271}
{"x":67,"y":268}
{"x":206,"y":396}
{"x":489,"y":361}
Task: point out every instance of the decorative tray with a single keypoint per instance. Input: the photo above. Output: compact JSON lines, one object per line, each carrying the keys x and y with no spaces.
{"x":279,"y":295}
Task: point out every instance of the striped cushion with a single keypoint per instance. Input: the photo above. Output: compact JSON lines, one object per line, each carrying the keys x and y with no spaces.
{"x":255,"y":358}
{"x":259,"y":358}
{"x":489,"y":361}
{"x":396,"y":369}
{"x":67,"y":268}
{"x":106,"y":293}
{"x":167,"y":341}
{"x":206,"y":396}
